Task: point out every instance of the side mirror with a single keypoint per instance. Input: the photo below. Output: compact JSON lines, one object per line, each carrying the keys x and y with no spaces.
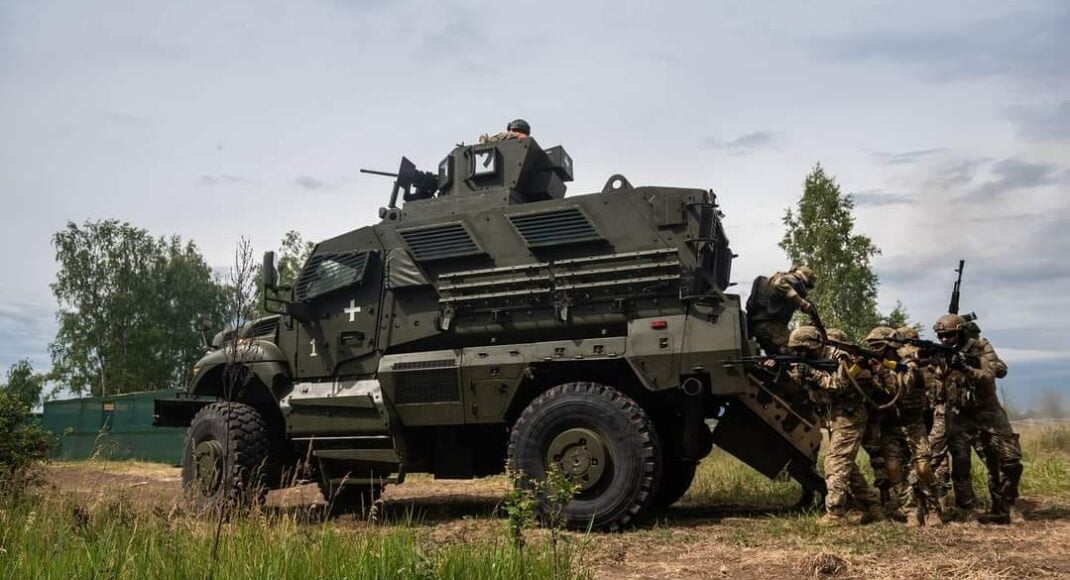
{"x":202,"y":323}
{"x":268,"y":271}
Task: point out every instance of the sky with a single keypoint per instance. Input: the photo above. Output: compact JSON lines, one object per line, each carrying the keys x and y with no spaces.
{"x":948,"y":122}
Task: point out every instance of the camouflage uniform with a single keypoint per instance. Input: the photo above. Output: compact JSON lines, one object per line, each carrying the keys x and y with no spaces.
{"x":904,"y":427}
{"x":974,"y":414}
{"x":846,"y":418}
{"x":772,"y":303}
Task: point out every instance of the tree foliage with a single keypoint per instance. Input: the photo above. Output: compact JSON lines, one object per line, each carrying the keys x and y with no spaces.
{"x":24,"y":442}
{"x":127,"y":305}
{"x":24,"y":384}
{"x":820,"y":234}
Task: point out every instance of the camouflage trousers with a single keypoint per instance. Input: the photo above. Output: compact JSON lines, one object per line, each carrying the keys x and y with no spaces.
{"x":989,"y":428}
{"x":938,"y":445}
{"x":771,"y":336}
{"x":920,"y":490}
{"x":871,"y":443}
{"x":847,"y":426}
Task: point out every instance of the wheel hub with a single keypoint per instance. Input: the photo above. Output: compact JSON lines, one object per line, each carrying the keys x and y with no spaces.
{"x":580,"y":454}
{"x":208,"y":466}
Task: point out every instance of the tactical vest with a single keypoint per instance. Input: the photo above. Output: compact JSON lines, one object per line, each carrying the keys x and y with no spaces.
{"x":765,"y":304}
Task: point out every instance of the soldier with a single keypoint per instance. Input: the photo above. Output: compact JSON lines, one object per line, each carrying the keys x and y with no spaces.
{"x":516,"y":129}
{"x":846,"y":420}
{"x":974,"y":412}
{"x":772,"y":303}
{"x":904,"y":423}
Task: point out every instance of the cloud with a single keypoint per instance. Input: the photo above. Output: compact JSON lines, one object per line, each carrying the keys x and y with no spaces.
{"x":954,"y":173}
{"x":877,"y":198}
{"x":1031,"y":46}
{"x":28,"y":327}
{"x":907,"y":157}
{"x":1014,"y":174}
{"x":745,"y":144}
{"x":310,"y":183}
{"x":1042,"y":122}
{"x":222,"y":179}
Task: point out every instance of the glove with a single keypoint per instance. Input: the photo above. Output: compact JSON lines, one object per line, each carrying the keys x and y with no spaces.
{"x":806,"y":307}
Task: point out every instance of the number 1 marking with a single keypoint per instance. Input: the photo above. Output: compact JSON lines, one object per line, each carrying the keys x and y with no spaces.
{"x":312,"y":343}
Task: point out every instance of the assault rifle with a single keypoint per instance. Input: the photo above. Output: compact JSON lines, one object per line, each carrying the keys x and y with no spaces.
{"x":782,"y":360}
{"x":929,"y":349}
{"x":953,"y":307}
{"x":865,"y":353}
{"x":815,"y":319}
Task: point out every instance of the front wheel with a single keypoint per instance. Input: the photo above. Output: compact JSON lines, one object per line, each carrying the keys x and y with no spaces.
{"x":226,"y":455}
{"x":602,"y":441}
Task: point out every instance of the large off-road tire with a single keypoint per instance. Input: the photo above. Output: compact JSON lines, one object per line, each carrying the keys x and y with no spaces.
{"x":676,"y":477}
{"x":599,"y":438}
{"x":226,"y":456}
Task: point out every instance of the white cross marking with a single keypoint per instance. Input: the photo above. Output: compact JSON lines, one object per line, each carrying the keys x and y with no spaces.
{"x":352,"y":310}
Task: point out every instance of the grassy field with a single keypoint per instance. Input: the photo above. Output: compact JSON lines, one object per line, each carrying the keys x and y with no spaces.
{"x":127,"y":520}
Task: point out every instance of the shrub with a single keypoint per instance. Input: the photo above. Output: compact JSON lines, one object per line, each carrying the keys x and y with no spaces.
{"x":23,"y":444}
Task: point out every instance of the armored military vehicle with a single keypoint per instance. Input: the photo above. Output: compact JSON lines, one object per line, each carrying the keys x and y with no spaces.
{"x":489,"y":317}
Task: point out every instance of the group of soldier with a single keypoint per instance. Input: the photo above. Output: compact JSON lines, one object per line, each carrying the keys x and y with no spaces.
{"x":910,"y":404}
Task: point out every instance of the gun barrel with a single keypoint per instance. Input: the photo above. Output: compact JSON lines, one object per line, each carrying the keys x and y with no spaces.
{"x":383,"y":173}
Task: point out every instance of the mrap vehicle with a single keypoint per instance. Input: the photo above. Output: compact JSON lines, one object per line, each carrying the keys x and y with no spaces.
{"x":489,"y":320}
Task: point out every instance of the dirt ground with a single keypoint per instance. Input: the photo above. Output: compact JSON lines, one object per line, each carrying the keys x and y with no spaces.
{"x":685,"y":541}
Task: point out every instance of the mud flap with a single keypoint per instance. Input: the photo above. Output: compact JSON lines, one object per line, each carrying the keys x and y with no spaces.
{"x":760,"y":430}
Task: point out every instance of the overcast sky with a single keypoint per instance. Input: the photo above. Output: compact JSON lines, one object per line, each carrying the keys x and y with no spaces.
{"x":948,"y":121}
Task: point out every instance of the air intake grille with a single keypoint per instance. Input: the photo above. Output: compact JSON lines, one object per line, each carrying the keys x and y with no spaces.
{"x":565,"y":226}
{"x":264,"y":328}
{"x":431,"y":386}
{"x":328,"y":272}
{"x":436,"y":243}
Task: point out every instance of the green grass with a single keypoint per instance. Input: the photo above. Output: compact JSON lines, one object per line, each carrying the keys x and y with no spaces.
{"x":724,"y":480}
{"x":64,"y":539}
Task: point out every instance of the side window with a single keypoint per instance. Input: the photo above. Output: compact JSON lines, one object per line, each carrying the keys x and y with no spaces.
{"x":325,"y":273}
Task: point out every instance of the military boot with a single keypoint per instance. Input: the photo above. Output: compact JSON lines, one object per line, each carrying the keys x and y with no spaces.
{"x":873,"y":513}
{"x":833,"y":519}
{"x":934,"y":519}
{"x":1015,"y":514}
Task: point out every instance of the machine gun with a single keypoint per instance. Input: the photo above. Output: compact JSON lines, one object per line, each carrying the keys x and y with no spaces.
{"x":407,"y":177}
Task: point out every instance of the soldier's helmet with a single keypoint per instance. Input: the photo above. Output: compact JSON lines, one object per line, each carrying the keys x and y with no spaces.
{"x":806,"y":274}
{"x":519,"y":126}
{"x":837,"y":335}
{"x":883,"y":337}
{"x":805,"y":337}
{"x":908,"y":332}
{"x":949,"y":323}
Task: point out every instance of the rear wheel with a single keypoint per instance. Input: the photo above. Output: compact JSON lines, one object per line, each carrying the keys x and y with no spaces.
{"x":602,"y":441}
{"x":676,"y":477}
{"x":225,"y":456}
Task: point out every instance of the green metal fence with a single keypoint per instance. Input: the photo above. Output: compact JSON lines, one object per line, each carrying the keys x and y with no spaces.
{"x":118,"y":427}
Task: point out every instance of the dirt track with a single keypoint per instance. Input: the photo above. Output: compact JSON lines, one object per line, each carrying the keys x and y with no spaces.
{"x":686,"y":541}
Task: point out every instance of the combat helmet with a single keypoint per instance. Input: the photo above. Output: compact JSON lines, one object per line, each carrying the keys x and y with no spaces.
{"x":908,"y":331}
{"x":805,"y":337}
{"x":837,"y":335}
{"x":949,"y":323}
{"x":807,"y":275}
{"x":519,"y":126}
{"x":884,"y":337}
